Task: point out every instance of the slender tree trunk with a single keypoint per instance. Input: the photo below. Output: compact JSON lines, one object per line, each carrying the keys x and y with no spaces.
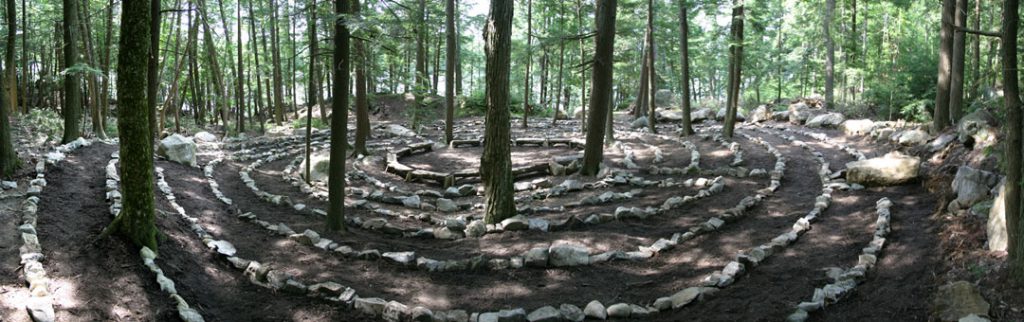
{"x":684,"y":57}
{"x":940,"y":116}
{"x":458,"y":50}
{"x":450,"y":70}
{"x":496,"y":161}
{"x":8,"y":157}
{"x":72,"y":106}
{"x":976,"y":60}
{"x":437,"y":65}
{"x":91,"y":82}
{"x":260,"y":107}
{"x":602,"y":79}
{"x":136,"y":221}
{"x":559,"y":106}
{"x":362,"y":102}
{"x":736,"y":68}
{"x":11,"y":79}
{"x":240,"y":75}
{"x":652,"y":77}
{"x":276,"y":56}
{"x":25,"y":70}
{"x":583,"y":70}
{"x":956,"y":85}
{"x":339,"y":120}
{"x":529,"y":59}
{"x":830,"y":54}
{"x":1011,"y":101}
{"x":422,"y":85}
{"x":107,"y":43}
{"x":152,"y":81}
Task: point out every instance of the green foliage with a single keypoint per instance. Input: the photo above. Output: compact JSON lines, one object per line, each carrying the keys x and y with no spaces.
{"x":300,"y":123}
{"x":45,"y":121}
{"x":917,"y":111}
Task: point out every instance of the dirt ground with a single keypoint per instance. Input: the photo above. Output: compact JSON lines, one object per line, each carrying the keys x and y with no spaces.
{"x":105,"y":280}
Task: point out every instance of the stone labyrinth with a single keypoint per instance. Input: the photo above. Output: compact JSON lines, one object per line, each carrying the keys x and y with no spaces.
{"x":761,"y":227}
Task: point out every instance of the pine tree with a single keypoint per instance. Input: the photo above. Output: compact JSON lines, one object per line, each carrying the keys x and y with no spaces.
{"x":496,"y":162}
{"x":339,"y":120}
{"x":72,"y":107}
{"x":601,"y":96}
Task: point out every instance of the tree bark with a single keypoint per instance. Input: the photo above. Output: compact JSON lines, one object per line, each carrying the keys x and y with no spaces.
{"x":976,"y":61}
{"x":940,"y":118}
{"x":956,"y":85}
{"x":11,"y":79}
{"x":362,"y":102}
{"x":136,"y":222}
{"x":24,"y":60}
{"x":600,"y":97}
{"x":260,"y":107}
{"x":652,"y":76}
{"x":1011,"y":101}
{"x":153,"y":69}
{"x":276,"y":57}
{"x":496,"y":161}
{"x":684,"y":57}
{"x":240,"y":75}
{"x":450,"y":70}
{"x":735,"y":68}
{"x":8,"y":157}
{"x":339,"y":120}
{"x":529,"y":59}
{"x":583,"y":69}
{"x":830,"y":54}
{"x":72,"y":106}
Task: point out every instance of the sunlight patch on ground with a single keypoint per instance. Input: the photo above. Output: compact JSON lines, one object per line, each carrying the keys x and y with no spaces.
{"x":12,"y":303}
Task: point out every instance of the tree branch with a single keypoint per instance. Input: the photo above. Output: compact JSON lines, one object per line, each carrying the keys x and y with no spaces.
{"x":978,"y":32}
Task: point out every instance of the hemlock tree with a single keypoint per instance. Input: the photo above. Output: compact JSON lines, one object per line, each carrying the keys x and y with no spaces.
{"x":8,"y":158}
{"x":684,"y":57}
{"x":1011,"y":101}
{"x":449,"y":70}
{"x":940,"y":118}
{"x":72,"y":107}
{"x":136,"y":221}
{"x":735,"y":68}
{"x":529,"y":59}
{"x":339,"y":120}
{"x":496,"y":161}
{"x":601,"y":95}
{"x":830,"y":54}
{"x":362,"y":102}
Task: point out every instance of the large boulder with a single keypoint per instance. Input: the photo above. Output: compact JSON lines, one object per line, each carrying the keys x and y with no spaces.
{"x":977,"y":127}
{"x":664,"y":97}
{"x":996,"y":228}
{"x":780,"y":116}
{"x":666,"y":115}
{"x":320,"y":167}
{"x":399,"y":131}
{"x":826,"y":120}
{"x":891,"y":169}
{"x":721,"y":115}
{"x":639,"y":122}
{"x":700,"y":115}
{"x":972,"y":185}
{"x":799,"y":112}
{"x":959,"y":299}
{"x":857,"y":127}
{"x":204,"y":137}
{"x":760,"y":114}
{"x":912,"y":137}
{"x":178,"y":148}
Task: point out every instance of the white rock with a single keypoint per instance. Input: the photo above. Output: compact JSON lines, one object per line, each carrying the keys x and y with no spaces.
{"x":595,"y":310}
{"x":892,"y":169}
{"x":177,"y":148}
{"x":568,"y":255}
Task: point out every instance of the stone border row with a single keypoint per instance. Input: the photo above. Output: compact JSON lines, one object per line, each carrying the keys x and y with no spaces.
{"x":844,"y":281}
{"x":40,"y":305}
{"x":113,"y":195}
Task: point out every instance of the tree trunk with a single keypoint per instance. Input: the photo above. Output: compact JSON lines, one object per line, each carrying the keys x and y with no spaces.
{"x":684,"y":57}
{"x":940,"y":118}
{"x":72,"y":106}
{"x":136,"y":220}
{"x":640,"y":107}
{"x":153,"y":67}
{"x":1011,"y":101}
{"x":496,"y":161}
{"x":956,"y":85}
{"x":830,"y":54}
{"x":276,"y":56}
{"x":25,"y":71}
{"x":260,"y":107}
{"x":652,"y":76}
{"x":339,"y":120}
{"x":976,"y":60}
{"x":422,"y":84}
{"x":735,"y":68}
{"x":458,"y":51}
{"x":559,"y":106}
{"x":8,"y":157}
{"x":11,"y":79}
{"x":600,"y":97}
{"x":450,"y":70}
{"x":240,"y":75}
{"x":362,"y":102}
{"x":583,"y":70}
{"x":529,"y":59}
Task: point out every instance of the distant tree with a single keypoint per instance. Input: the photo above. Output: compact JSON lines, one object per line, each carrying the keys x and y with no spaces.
{"x":72,"y":107}
{"x":830,"y":54}
{"x":362,"y":102}
{"x":735,"y":68}
{"x":450,"y":69}
{"x":279,"y":114}
{"x":684,"y":57}
{"x":136,"y":221}
{"x":940,"y":115}
{"x":956,"y":84}
{"x":8,"y":157}
{"x":601,"y":97}
{"x":496,"y":161}
{"x":529,"y":59}
{"x":652,"y":87}
{"x":339,"y":120}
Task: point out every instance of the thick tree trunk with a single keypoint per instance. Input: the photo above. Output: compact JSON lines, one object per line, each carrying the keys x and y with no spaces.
{"x":735,"y":68}
{"x":8,"y":157}
{"x":11,"y":79}
{"x":940,"y":118}
{"x":136,"y":220}
{"x":362,"y":102}
{"x":1011,"y":101}
{"x":339,"y":120}
{"x":496,"y":161}
{"x":684,"y":57}
{"x":72,"y":106}
{"x":601,"y":97}
{"x":450,"y":70}
{"x":956,"y":85}
{"x":529,"y":59}
{"x":830,"y":54}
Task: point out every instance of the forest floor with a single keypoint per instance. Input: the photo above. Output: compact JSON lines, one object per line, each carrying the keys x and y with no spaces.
{"x":106,"y":280}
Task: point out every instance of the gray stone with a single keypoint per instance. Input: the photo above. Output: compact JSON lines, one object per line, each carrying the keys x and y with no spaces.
{"x":892,"y":169}
{"x":798,"y":316}
{"x":294,"y":287}
{"x":912,"y":137}
{"x":857,"y":127}
{"x":412,"y":201}
{"x":973,"y":318}
{"x":8,"y":185}
{"x":516,"y":315}
{"x":996,"y":226}
{"x":571,"y":312}
{"x":536,"y":257}
{"x":760,"y":114}
{"x":539,"y":224}
{"x":700,"y":115}
{"x":371,"y":306}
{"x":518,"y":222}
{"x":544,"y":314}
{"x":684,"y":297}
{"x":223,"y":247}
{"x":446,"y":205}
{"x":959,"y":299}
{"x":568,"y":255}
{"x":476,"y":228}
{"x":401,"y":258}
{"x":972,"y":185}
{"x":826,"y":120}
{"x":204,"y":137}
{"x":446,"y":233}
{"x":177,"y":148}
{"x":327,"y":288}
{"x":421,"y":314}
{"x":40,"y":309}
{"x":595,"y":310}
{"x":395,"y":312}
{"x":619,"y":310}
{"x":640,"y":122}
{"x":799,"y":112}
{"x":308,"y":237}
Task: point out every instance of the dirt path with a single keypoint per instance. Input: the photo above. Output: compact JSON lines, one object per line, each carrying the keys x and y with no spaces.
{"x":92,"y":281}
